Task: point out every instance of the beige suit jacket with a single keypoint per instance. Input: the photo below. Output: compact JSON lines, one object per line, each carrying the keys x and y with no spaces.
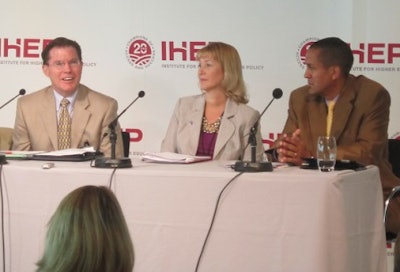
{"x":36,"y":121}
{"x":360,"y":125}
{"x":184,"y":130}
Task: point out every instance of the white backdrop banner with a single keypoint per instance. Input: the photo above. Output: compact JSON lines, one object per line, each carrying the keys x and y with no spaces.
{"x":150,"y":45}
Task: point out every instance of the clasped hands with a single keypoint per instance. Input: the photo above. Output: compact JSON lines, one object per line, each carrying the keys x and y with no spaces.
{"x":291,"y":149}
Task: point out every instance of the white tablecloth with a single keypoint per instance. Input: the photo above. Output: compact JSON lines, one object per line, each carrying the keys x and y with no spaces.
{"x":286,"y":220}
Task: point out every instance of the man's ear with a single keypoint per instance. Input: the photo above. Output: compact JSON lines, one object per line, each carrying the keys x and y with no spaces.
{"x":335,"y":72}
{"x":45,"y":69}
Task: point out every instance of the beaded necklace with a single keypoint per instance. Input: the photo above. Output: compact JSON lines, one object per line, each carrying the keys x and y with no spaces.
{"x":210,"y":128}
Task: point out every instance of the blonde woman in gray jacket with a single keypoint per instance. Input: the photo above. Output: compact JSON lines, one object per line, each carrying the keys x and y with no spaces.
{"x":216,"y":123}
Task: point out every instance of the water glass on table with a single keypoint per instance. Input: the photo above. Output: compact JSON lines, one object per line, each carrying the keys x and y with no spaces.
{"x":326,"y":153}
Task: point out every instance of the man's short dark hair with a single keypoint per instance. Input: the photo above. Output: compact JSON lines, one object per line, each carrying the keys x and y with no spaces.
{"x":60,"y":42}
{"x":334,"y":51}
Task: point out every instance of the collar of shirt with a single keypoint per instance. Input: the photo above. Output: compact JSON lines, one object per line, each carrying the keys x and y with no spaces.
{"x":335,"y":100}
{"x":71,"y":100}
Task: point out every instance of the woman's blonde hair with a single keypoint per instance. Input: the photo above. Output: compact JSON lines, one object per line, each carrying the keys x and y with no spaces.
{"x":88,"y":232}
{"x":229,"y":58}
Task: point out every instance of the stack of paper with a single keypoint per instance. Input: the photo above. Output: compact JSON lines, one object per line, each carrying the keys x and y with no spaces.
{"x":169,"y":157}
{"x":71,"y":154}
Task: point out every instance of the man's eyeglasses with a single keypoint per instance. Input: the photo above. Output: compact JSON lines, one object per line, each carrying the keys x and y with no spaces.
{"x":61,"y":64}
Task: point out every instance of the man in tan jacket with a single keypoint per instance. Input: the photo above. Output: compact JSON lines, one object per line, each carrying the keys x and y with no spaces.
{"x":90,"y":112}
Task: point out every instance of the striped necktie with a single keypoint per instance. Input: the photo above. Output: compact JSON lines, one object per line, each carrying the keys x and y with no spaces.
{"x":329,"y":117}
{"x":64,"y":126}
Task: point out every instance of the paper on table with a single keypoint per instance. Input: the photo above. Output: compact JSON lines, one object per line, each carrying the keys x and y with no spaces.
{"x":71,"y":154}
{"x":67,"y":152}
{"x":170,"y":157}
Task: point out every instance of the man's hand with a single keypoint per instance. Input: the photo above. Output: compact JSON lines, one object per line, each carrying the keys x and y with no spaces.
{"x":291,"y":149}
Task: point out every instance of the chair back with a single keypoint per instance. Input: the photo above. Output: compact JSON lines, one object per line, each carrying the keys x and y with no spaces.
{"x":126,"y":139}
{"x":394,"y":155}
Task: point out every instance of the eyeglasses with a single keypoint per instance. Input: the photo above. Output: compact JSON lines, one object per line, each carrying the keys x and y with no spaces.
{"x":61,"y":64}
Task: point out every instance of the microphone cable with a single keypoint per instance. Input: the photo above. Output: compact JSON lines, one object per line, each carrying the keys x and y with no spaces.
{"x":111,"y":177}
{"x":213,"y":219}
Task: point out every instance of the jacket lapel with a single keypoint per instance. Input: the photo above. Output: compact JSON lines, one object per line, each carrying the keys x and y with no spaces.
{"x":194,"y":119}
{"x":227,"y":128}
{"x":343,"y":108}
{"x":49,"y":116}
{"x":316,"y":114}
{"x":80,"y":109}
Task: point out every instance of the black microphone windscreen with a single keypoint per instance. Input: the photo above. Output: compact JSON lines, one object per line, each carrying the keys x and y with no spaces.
{"x":22,"y":92}
{"x":141,"y":94}
{"x":277,"y":93}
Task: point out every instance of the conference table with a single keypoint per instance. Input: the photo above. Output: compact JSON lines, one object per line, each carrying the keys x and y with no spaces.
{"x":290,"y":219}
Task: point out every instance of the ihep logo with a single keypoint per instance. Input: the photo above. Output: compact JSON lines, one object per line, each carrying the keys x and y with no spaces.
{"x":302,"y":50}
{"x":140,"y":52}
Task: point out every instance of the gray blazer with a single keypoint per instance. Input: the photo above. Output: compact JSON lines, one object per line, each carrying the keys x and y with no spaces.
{"x":184,"y":130}
{"x":36,"y":121}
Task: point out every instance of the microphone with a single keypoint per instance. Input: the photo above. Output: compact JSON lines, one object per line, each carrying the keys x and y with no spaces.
{"x":253,"y":166}
{"x":21,"y":92}
{"x":277,"y":93}
{"x":112,"y":162}
{"x":114,"y":122}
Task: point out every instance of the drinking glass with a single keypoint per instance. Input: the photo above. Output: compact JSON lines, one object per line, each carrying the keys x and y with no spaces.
{"x":326,"y":153}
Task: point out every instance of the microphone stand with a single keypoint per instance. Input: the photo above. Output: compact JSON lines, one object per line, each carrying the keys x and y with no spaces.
{"x":253,"y":143}
{"x":113,"y":140}
{"x":253,"y":165}
{"x":3,"y":159}
{"x":113,"y":162}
